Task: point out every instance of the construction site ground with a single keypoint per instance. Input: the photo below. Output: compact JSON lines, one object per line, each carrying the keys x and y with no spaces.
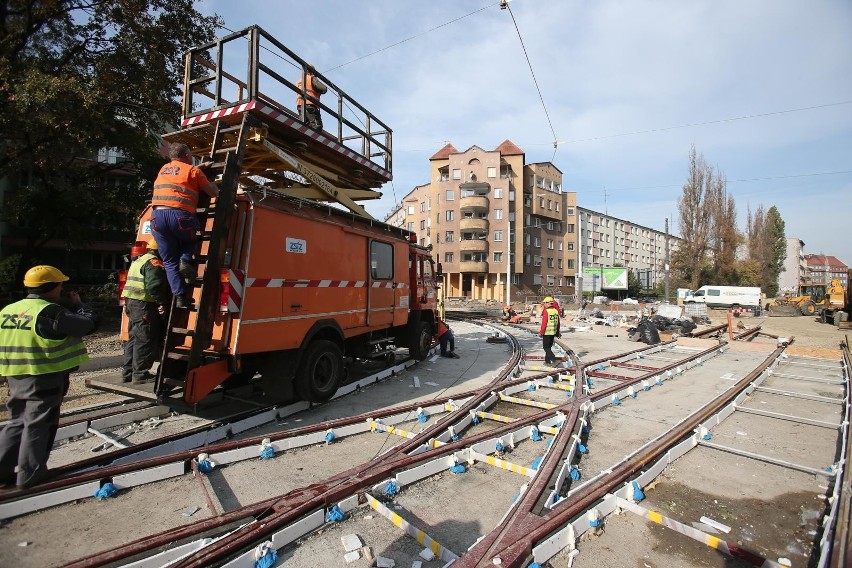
{"x":55,"y":535}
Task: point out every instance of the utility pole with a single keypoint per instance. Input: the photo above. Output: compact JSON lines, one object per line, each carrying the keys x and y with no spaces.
{"x":579,"y":257}
{"x":666,"y":263}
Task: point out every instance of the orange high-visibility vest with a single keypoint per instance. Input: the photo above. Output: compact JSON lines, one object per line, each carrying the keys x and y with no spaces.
{"x":178,"y":185}
{"x":309,"y":90}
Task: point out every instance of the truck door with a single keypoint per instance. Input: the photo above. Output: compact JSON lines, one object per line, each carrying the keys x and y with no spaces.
{"x":380,"y":294}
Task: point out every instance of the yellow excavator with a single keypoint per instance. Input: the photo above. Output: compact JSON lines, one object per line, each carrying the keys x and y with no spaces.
{"x":836,"y":302}
{"x":807,"y":302}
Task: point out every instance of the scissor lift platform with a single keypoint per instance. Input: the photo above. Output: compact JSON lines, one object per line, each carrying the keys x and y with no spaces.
{"x":352,"y":152}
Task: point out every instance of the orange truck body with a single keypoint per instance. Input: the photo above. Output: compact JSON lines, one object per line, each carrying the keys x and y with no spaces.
{"x":295,"y":272}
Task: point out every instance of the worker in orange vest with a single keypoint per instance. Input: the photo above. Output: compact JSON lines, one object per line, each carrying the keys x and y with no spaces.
{"x":313,"y":88}
{"x":173,"y":220}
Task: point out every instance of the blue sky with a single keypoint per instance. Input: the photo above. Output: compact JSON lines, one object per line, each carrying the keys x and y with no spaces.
{"x":762,"y":88}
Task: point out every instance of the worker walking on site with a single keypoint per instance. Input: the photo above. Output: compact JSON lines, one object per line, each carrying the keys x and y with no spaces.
{"x":146,"y":294}
{"x":447,"y":340}
{"x":550,"y":330}
{"x":313,"y":87}
{"x":40,"y":345}
{"x":174,"y":222}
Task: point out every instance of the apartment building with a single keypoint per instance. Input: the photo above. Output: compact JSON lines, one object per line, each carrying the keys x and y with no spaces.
{"x":795,"y":266}
{"x":491,"y":218}
{"x":823,"y":268}
{"x":604,"y":240}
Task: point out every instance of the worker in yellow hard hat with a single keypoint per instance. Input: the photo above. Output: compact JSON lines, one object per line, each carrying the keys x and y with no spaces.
{"x":550,"y":330}
{"x":554,"y":303}
{"x":146,"y":295}
{"x":40,"y":345}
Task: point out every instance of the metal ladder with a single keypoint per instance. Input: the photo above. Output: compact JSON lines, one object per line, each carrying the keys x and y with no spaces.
{"x":178,"y":360}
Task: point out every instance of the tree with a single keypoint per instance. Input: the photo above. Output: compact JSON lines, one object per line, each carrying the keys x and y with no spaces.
{"x":695,"y":207}
{"x":767,"y":246}
{"x":78,"y":77}
{"x":776,"y":251}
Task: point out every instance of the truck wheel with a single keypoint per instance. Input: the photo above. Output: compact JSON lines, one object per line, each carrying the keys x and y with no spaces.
{"x":421,"y":341}
{"x":320,"y":372}
{"x":808,"y":308}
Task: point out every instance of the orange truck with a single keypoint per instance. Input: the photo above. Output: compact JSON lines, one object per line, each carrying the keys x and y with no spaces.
{"x":294,"y":280}
{"x":304,"y":289}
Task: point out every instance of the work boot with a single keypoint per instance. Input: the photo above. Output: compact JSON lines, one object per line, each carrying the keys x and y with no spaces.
{"x":144,"y":379}
{"x":454,"y":355}
{"x":187,"y":270}
{"x":182,"y":303}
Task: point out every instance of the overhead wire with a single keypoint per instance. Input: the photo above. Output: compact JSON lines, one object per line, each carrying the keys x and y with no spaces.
{"x":532,"y":72}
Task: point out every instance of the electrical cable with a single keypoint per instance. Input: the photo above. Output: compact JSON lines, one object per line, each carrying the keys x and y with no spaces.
{"x":529,"y":63}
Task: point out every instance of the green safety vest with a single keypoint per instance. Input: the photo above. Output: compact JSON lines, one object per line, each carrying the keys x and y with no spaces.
{"x":24,"y":352}
{"x":135,"y":286}
{"x":552,"y":321}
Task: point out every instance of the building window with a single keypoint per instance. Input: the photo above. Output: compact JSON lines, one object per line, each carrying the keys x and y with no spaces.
{"x":569,"y":211}
{"x":551,"y":280}
{"x":549,"y":262}
{"x":449,"y":236}
{"x":527,"y":259}
{"x":549,"y":205}
{"x":498,"y":236}
{"x":541,"y":202}
{"x":558,"y":263}
{"x":570,"y":263}
{"x":498,"y":257}
{"x":422,"y":224}
{"x":559,"y":245}
{"x":492,"y":172}
{"x":411,"y":209}
{"x":448,"y":257}
{"x":536,"y":260}
{"x":570,"y":246}
{"x":570,"y":228}
{"x":537,"y":222}
{"x":423,"y":207}
{"x":511,"y":195}
{"x":411,"y":226}
{"x":550,"y":244}
{"x":456,"y":174}
{"x":537,"y":242}
{"x":451,"y":195}
{"x":557,"y":206}
{"x":449,"y":215}
{"x":498,"y":193}
{"x":498,"y":213}
{"x":550,"y":225}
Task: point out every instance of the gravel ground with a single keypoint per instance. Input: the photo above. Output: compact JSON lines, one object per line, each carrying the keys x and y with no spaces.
{"x":811,"y":337}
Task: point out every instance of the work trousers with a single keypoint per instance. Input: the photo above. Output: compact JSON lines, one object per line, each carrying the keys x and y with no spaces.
{"x":28,"y":437}
{"x":174,"y":230}
{"x":313,"y":117}
{"x":447,"y":342}
{"x":144,"y":338}
{"x":547,"y":343}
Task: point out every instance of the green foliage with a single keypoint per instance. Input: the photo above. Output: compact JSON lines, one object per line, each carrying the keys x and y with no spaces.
{"x":78,"y":77}
{"x":107,"y":293}
{"x":776,"y":251}
{"x":634,"y":287}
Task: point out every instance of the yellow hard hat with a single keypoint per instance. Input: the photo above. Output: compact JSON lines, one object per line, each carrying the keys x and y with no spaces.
{"x":43,"y":274}
{"x":548,"y":299}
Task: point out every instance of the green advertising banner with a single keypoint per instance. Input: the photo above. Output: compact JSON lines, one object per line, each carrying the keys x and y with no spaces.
{"x":605,"y":277}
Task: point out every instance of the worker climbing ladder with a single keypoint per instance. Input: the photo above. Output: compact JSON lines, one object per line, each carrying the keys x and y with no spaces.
{"x":179,"y":363}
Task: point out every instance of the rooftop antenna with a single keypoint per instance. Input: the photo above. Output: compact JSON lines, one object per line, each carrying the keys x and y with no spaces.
{"x":606,"y":209}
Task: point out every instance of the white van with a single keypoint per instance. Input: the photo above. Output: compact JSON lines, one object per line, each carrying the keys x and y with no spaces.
{"x":726,"y":297}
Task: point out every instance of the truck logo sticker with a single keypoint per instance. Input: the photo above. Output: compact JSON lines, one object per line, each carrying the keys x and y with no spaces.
{"x":146,"y":228}
{"x":297,"y":246}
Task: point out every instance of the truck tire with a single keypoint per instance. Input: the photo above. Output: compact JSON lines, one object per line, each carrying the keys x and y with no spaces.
{"x":808,"y":308}
{"x":420,"y":342}
{"x":320,"y":371}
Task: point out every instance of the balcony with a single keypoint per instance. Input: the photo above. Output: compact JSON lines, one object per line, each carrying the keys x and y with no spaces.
{"x":474,"y":202}
{"x":473,"y":245}
{"x":470,"y":266}
{"x":471,"y":224}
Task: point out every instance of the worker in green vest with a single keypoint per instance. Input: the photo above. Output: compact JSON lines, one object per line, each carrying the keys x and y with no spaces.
{"x":40,"y":344}
{"x":146,"y":295}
